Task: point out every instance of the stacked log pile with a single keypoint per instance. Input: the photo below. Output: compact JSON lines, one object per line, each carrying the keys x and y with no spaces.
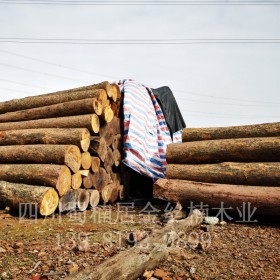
{"x":226,"y":165}
{"x":69,"y":141}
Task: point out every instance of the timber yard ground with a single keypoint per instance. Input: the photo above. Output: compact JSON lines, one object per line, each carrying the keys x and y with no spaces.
{"x":63,"y":244}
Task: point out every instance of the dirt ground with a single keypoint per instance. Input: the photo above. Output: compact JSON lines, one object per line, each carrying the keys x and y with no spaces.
{"x":63,"y":244}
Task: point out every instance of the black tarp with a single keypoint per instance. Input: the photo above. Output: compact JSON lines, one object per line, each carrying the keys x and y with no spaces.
{"x":170,"y":109}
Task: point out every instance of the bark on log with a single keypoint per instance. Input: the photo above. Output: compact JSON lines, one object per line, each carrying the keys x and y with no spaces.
{"x":94,"y":198}
{"x":97,"y":91}
{"x":43,"y":200}
{"x":82,"y":199}
{"x":69,"y":155}
{"x":77,"y":180}
{"x":68,"y":201}
{"x":240,"y":150}
{"x":260,"y":174}
{"x":246,"y":131}
{"x":71,"y":108}
{"x":95,"y":164}
{"x":86,"y":160}
{"x":109,"y":130}
{"x":265,"y":199}
{"x":74,"y":136}
{"x":91,"y":122}
{"x":50,"y":175}
{"x":145,"y":255}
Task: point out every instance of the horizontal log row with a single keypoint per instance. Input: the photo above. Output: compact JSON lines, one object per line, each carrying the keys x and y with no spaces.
{"x":230,"y":165}
{"x":69,"y":140}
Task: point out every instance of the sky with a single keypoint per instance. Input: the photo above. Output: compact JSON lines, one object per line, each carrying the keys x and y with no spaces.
{"x":215,"y":58}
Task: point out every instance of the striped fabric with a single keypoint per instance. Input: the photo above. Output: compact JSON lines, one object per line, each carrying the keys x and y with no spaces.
{"x":146,"y":134}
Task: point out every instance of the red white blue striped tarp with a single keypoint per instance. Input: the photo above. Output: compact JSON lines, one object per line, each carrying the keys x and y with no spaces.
{"x":146,"y":134}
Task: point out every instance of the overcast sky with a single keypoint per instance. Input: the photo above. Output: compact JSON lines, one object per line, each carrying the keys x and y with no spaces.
{"x":215,"y":84}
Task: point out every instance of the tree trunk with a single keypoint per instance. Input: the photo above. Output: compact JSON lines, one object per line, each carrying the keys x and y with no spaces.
{"x":109,"y":160}
{"x":71,"y":108}
{"x":114,"y":193}
{"x":42,"y":200}
{"x":265,"y":199}
{"x":261,"y":174}
{"x":56,"y":176}
{"x":54,"y":98}
{"x":74,"y":136}
{"x":69,"y":155}
{"x":116,"y":92}
{"x":240,"y":150}
{"x":246,"y":131}
{"x":68,"y":201}
{"x":86,"y":160}
{"x":145,"y":255}
{"x":91,"y":122}
{"x":94,"y":198}
{"x":109,"y":130}
{"x":117,"y":157}
{"x":95,"y":164}
{"x":82,"y":199}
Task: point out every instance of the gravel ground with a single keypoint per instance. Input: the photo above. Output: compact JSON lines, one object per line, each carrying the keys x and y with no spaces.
{"x":61,"y":245}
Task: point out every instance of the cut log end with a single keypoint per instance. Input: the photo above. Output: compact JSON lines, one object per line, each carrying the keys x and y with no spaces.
{"x":49,"y":202}
{"x":94,"y":198}
{"x":95,"y":164}
{"x":73,"y":158}
{"x":97,"y":106}
{"x":82,"y":198}
{"x":64,"y":181}
{"x":95,"y":123}
{"x":106,"y":193}
{"x":85,"y":143}
{"x":86,"y":160}
{"x":77,"y":180}
{"x":108,"y":114}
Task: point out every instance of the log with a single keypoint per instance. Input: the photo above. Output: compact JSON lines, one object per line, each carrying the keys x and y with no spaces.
{"x":245,"y":131}
{"x":94,"y":198}
{"x":69,"y":155}
{"x":265,"y":199}
{"x":50,"y":175}
{"x":84,"y":172}
{"x":145,"y":255}
{"x":67,"y":202}
{"x":117,"y":142}
{"x":86,"y":160}
{"x":82,"y":199}
{"x":109,"y":160}
{"x":114,"y":193}
{"x":74,"y":136}
{"x":95,"y":164}
{"x":240,"y":150}
{"x":100,"y":179}
{"x":97,"y":106}
{"x":260,"y":174}
{"x":117,"y":157}
{"x":115,"y":92}
{"x":88,"y":181}
{"x":98,"y":147}
{"x":121,"y":192}
{"x":54,"y":98}
{"x":107,"y":115}
{"x":77,"y":180}
{"x":71,"y":108}
{"x":109,"y":130}
{"x":106,"y":193}
{"x":91,"y":122}
{"x":42,"y":200}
